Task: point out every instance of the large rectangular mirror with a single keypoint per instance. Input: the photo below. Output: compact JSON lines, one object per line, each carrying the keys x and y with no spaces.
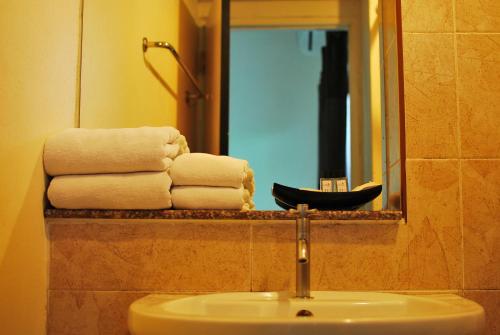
{"x":301,"y":89}
{"x":306,"y":87}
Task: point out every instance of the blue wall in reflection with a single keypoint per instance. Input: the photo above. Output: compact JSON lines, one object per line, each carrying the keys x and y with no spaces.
{"x":273,"y":120}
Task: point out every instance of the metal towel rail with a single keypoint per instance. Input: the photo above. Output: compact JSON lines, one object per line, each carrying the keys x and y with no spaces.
{"x":165,"y":45}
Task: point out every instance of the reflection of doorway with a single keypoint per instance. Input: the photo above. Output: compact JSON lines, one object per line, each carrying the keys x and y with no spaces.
{"x":333,"y":92}
{"x":274,"y":106}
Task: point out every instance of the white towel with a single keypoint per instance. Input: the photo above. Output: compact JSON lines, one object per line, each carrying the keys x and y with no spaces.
{"x":207,"y":197}
{"x":199,"y":169}
{"x":88,"y":151}
{"x":140,"y":190}
{"x":183,"y":146}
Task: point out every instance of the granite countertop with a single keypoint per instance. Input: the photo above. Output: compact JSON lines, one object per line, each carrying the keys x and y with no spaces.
{"x":383,"y":216}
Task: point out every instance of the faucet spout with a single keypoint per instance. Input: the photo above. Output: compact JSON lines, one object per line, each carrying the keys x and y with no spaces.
{"x":302,"y":252}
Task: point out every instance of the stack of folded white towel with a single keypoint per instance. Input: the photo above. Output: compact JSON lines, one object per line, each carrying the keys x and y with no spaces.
{"x":112,"y":168}
{"x":204,"y":181}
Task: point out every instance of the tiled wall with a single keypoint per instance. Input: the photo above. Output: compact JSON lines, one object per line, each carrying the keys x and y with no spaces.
{"x":452,"y":92}
{"x":97,"y":267}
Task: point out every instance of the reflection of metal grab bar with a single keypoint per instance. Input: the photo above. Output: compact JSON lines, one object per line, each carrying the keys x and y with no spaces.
{"x":146,"y":44}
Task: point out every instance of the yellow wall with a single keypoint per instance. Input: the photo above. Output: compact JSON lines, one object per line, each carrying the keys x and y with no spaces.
{"x":38,"y":66}
{"x":213,"y":80}
{"x":121,"y":88}
{"x":188,"y":114}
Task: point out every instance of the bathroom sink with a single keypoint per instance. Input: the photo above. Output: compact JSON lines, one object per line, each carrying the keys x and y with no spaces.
{"x":338,"y":313}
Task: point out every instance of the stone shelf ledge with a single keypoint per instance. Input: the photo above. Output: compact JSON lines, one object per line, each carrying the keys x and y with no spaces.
{"x":339,"y":217}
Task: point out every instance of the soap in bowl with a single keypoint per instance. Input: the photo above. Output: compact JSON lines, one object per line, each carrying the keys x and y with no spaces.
{"x":288,"y":197}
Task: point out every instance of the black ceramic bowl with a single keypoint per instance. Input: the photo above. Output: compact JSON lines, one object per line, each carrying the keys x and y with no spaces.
{"x":289,"y":197}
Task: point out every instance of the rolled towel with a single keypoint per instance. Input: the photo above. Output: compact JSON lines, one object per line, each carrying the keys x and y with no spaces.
{"x":199,"y":169}
{"x":90,"y":151}
{"x":140,"y":190}
{"x":207,"y":197}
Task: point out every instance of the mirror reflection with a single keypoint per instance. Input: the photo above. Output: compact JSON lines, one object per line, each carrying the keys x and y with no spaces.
{"x":305,"y":93}
{"x":301,"y":89}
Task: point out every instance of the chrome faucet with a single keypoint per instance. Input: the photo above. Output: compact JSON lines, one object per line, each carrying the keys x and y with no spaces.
{"x":303,"y":255}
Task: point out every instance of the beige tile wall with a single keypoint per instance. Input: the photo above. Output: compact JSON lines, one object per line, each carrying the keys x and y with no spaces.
{"x":98,"y":267}
{"x":452,"y":240}
{"x":452,"y":92}
{"x":338,"y":257}
{"x":145,"y":256}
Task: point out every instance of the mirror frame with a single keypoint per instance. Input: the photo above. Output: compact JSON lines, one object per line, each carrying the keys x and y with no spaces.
{"x":401,"y":94}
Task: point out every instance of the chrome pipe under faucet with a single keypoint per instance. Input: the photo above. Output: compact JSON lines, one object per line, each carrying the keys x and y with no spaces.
{"x":303,"y":254}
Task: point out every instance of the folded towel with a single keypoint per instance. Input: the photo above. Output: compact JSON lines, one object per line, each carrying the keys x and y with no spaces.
{"x":140,"y":190}
{"x":183,"y":146}
{"x":88,"y":151}
{"x":199,"y":169}
{"x":207,"y":197}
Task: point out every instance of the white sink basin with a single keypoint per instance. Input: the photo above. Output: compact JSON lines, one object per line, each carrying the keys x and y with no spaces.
{"x":334,"y":313}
